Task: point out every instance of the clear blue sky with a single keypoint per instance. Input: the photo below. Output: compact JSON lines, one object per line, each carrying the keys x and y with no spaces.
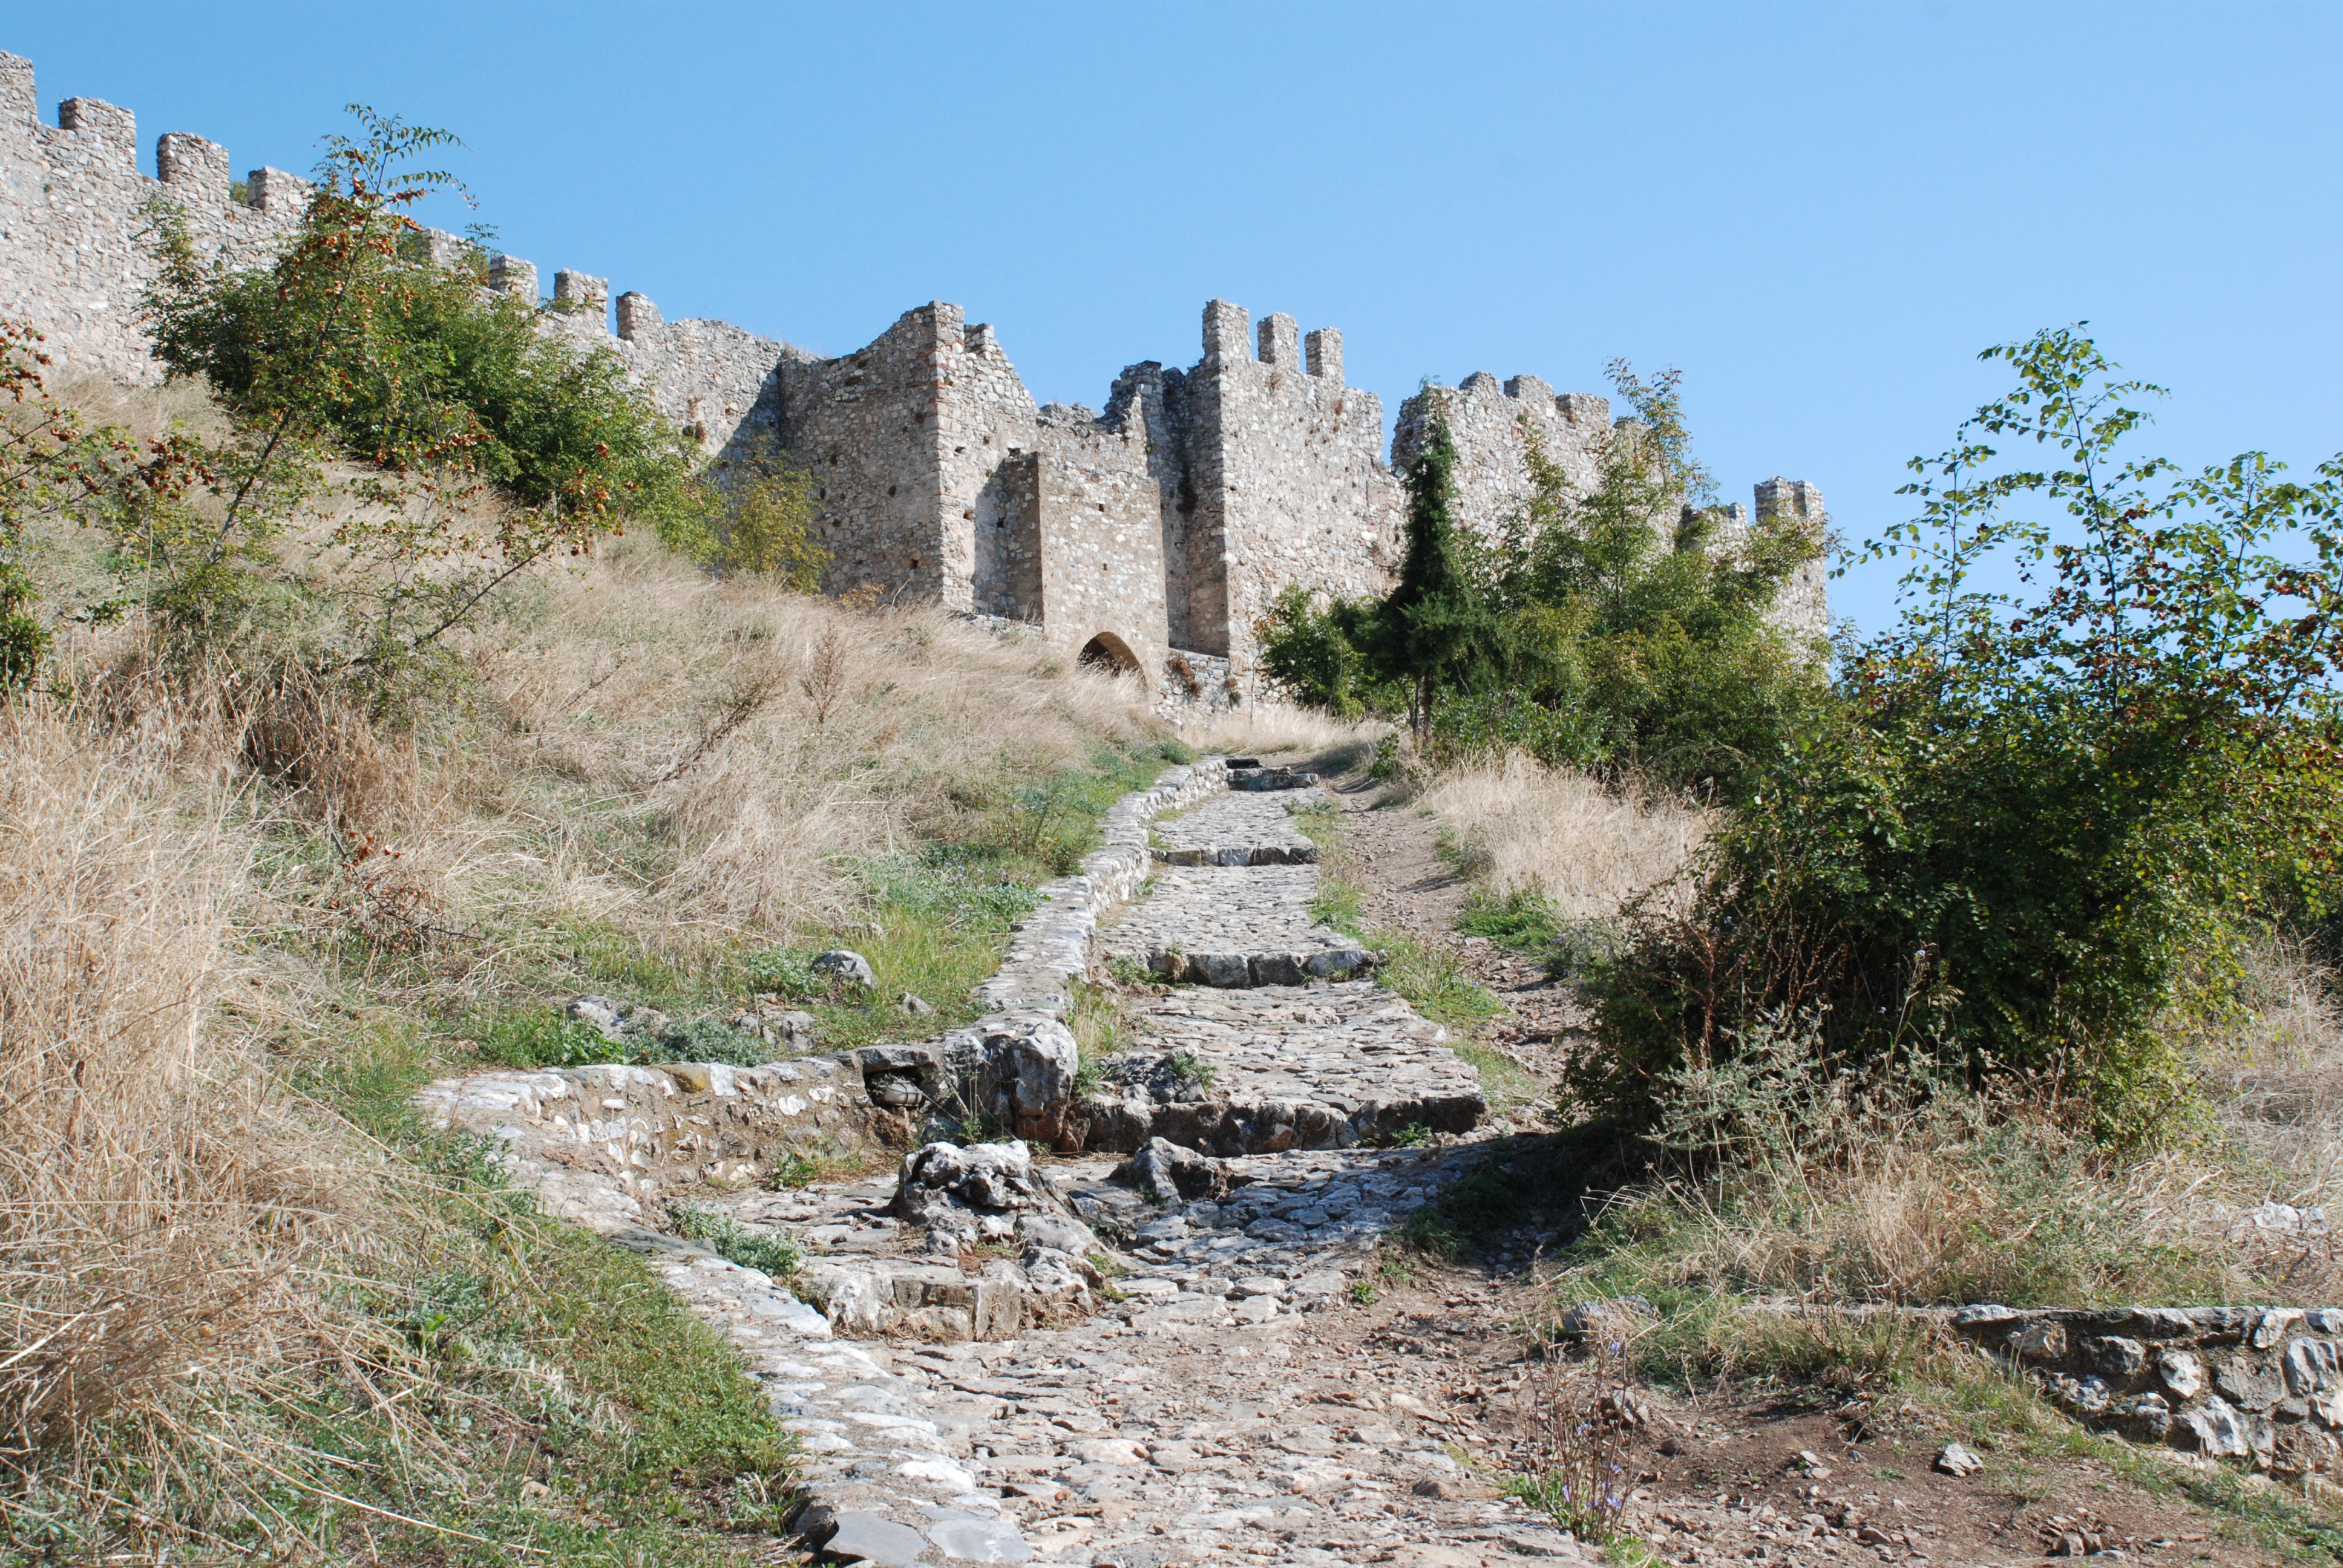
{"x":1818,"y":212}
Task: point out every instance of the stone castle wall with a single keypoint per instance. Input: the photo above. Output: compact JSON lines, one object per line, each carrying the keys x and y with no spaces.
{"x":1493,"y":427}
{"x":73,"y":217}
{"x":1165,"y":527}
{"x":1284,"y":463}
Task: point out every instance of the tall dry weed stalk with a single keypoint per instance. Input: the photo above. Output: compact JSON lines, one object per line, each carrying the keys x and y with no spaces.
{"x":1528,"y":827}
{"x":160,"y":1201}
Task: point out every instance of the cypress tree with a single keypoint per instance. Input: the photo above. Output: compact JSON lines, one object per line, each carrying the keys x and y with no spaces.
{"x":1435,"y":630}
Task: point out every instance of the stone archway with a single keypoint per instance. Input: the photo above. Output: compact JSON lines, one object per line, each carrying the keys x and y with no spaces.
{"x":1109,"y":653}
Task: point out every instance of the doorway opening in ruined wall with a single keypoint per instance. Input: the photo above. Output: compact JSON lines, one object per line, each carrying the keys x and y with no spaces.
{"x":1110,"y":653}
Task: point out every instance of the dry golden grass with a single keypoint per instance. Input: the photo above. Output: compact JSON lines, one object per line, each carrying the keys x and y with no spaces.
{"x":1524,"y":827}
{"x":2276,"y":1082}
{"x":160,"y":1203}
{"x":1893,"y":1195}
{"x":1278,"y":728}
{"x":767,"y":738}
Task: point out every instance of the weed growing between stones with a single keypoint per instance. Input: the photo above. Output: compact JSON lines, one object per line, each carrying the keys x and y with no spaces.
{"x":1100,"y":1031}
{"x":1192,"y":1072}
{"x":804,"y":1167}
{"x":775,"y":1253}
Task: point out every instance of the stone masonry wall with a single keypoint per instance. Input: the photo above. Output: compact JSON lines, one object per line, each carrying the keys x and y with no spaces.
{"x":1284,"y":468}
{"x":71,"y":201}
{"x":1805,"y":604}
{"x":719,"y":383}
{"x":865,"y":426}
{"x":2259,"y":1383}
{"x":1492,"y":427}
{"x":1101,"y":537}
{"x":1169,"y":524}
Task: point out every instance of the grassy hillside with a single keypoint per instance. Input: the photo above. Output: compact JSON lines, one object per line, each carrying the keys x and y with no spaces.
{"x":250,"y":1305}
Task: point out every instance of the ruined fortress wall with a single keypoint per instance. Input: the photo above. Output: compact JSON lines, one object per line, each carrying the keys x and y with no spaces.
{"x":1492,"y":426}
{"x":1171,"y":523}
{"x":1284,"y":483}
{"x":72,"y":215}
{"x":719,"y":383}
{"x":1100,"y":513}
{"x":865,"y":426}
{"x":984,"y":416}
{"x":1008,"y":541}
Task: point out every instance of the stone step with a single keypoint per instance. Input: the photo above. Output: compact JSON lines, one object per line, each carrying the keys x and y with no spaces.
{"x":1280,"y":1067}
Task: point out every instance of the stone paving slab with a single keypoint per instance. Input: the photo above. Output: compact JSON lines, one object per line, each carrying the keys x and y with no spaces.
{"x":1234,"y":927}
{"x":1280,"y":1067}
{"x":1234,"y":830}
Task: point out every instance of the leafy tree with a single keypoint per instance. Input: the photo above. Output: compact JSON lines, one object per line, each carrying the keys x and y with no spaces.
{"x":752,"y":513}
{"x":490,"y":444}
{"x":2050,"y":799}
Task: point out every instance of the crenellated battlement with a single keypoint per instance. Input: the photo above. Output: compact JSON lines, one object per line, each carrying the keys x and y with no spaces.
{"x":1168,"y":522}
{"x":72,"y":206}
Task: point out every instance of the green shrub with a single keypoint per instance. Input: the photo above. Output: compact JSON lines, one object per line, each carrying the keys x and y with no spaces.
{"x":786,"y":972}
{"x":2030,"y":834}
{"x":751,"y":515}
{"x":544,"y":1038}
{"x":1313,"y":654}
{"x":703,"y":1040}
{"x":489,"y":444}
{"x":1610,"y":629}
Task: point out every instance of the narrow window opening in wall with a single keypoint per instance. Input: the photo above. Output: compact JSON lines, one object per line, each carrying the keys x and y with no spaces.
{"x":891,"y":489}
{"x":958,"y":450}
{"x":915,"y":563}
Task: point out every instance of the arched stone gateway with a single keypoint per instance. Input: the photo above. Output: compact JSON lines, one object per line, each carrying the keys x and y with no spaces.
{"x":1109,"y":652}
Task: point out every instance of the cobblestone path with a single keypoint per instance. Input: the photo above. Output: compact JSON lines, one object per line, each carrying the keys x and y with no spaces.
{"x":1223,"y":1402}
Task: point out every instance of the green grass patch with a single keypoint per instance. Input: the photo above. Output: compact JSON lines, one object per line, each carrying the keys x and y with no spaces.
{"x":1508,"y":1086}
{"x":1519,"y":918}
{"x":1339,"y":904}
{"x":1321,"y":821}
{"x":1433,"y":982}
{"x":774,"y":1252}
